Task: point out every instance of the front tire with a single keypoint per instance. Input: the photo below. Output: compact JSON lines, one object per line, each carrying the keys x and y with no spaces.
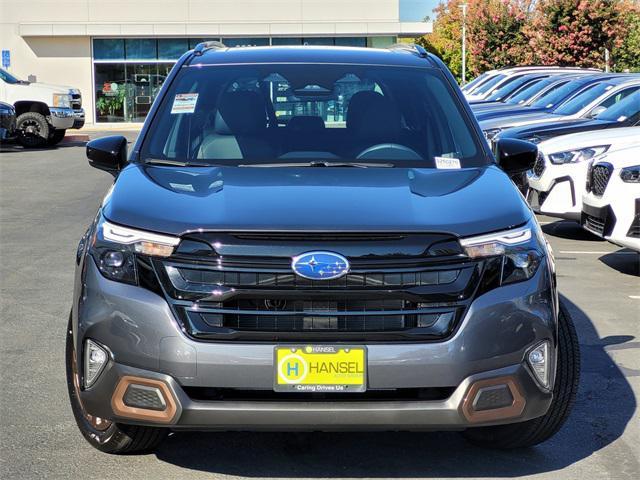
{"x":56,"y":137}
{"x":103,"y":434}
{"x":537,"y":430}
{"x":33,"y":130}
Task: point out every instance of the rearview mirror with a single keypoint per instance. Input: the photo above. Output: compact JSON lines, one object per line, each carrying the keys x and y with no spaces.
{"x":515,"y":156}
{"x":597,"y":111}
{"x":108,"y":153}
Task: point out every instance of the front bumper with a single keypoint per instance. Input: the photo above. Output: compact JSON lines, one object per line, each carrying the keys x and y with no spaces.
{"x":66,"y":118}
{"x":556,"y":192}
{"x":615,"y":215}
{"x":145,"y":340}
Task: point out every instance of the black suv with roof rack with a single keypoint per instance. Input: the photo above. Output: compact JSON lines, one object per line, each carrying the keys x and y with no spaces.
{"x":315,"y":239}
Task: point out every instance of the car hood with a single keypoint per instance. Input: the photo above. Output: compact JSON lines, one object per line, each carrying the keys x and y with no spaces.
{"x":553,"y":129}
{"x":178,"y":200}
{"x":617,"y":138}
{"x":511,"y":111}
{"x":510,"y":120}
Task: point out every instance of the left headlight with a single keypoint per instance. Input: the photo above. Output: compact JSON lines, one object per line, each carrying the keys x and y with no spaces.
{"x":518,"y":250}
{"x":630,"y":174}
{"x":61,"y":100}
{"x":114,"y":249}
{"x":579,"y":155}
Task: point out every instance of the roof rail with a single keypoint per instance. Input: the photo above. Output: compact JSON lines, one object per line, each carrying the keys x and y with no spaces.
{"x":410,"y":47}
{"x":204,"y":46}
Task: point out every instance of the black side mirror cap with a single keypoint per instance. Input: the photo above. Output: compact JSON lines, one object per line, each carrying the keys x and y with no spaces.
{"x":108,"y":153}
{"x":515,"y":156}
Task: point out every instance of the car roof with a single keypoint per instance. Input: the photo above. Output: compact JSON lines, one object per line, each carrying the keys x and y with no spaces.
{"x":400,"y":56}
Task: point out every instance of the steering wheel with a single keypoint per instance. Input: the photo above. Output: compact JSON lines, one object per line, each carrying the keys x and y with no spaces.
{"x":389,"y":151}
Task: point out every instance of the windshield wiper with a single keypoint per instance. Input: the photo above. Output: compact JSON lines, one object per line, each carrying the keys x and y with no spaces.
{"x":172,"y":163}
{"x":316,"y":164}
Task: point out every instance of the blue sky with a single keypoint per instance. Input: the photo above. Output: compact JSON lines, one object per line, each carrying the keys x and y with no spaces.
{"x":416,"y":10}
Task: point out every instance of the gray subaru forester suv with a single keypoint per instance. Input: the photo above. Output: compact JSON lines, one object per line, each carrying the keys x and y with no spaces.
{"x":315,"y":239}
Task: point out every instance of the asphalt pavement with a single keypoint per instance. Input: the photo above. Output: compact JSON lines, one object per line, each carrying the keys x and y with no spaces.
{"x":48,"y":198}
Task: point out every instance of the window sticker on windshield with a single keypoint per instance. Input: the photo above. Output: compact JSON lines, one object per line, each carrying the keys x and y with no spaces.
{"x":184,"y":103}
{"x":445,"y":162}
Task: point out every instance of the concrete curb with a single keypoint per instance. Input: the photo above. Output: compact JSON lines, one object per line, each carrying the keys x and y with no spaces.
{"x":75,"y":138}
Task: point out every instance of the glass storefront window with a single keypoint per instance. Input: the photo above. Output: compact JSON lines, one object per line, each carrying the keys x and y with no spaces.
{"x":195,"y":41}
{"x":351,"y":41}
{"x":172,"y":48}
{"x":246,"y":42}
{"x":129,"y":73}
{"x":141,"y":49}
{"x":286,"y":41}
{"x":108,"y":49}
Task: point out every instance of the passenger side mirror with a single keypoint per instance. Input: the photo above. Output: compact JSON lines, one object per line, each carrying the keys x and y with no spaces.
{"x":597,"y":111}
{"x":108,"y":153}
{"x":515,"y":156}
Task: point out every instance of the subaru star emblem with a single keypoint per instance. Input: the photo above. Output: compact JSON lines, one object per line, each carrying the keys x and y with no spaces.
{"x":320,"y":265}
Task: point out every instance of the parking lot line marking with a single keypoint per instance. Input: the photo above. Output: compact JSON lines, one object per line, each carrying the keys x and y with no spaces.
{"x":635,"y":297}
{"x":575,"y":252}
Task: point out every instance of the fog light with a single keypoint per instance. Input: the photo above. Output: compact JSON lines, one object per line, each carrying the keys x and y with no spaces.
{"x":95,"y":359}
{"x":538,"y":360}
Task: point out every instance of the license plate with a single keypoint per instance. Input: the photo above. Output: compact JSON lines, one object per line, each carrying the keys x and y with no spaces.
{"x":320,"y":368}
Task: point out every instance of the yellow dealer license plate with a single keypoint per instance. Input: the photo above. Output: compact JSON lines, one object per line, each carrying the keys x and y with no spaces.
{"x":320,"y":368}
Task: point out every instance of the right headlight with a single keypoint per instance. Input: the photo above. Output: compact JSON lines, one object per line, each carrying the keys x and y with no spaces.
{"x":630,"y":174}
{"x":114,"y":249}
{"x":578,"y":155}
{"x":517,"y":251}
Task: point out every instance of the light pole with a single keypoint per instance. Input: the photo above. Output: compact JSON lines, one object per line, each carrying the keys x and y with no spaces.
{"x":464,"y":42}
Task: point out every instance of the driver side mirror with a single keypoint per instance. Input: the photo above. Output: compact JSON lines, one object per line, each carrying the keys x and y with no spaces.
{"x":108,"y":153}
{"x":515,"y":156}
{"x":597,"y":111}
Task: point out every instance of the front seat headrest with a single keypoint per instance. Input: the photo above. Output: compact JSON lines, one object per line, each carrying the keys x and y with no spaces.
{"x":240,"y":113}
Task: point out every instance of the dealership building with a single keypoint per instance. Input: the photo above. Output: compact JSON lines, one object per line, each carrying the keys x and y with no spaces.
{"x":118,"y":52}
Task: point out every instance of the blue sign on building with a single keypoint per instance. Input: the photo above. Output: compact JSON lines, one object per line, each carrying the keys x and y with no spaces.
{"x":6,"y":58}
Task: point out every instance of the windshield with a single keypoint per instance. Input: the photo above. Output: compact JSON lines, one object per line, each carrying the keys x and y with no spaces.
{"x":623,"y":110}
{"x":288,"y":113}
{"x":557,"y":95}
{"x":7,"y":77}
{"x":472,"y":84}
{"x":488,"y":85}
{"x":510,"y":87}
{"x":581,"y":100}
{"x":531,"y":91}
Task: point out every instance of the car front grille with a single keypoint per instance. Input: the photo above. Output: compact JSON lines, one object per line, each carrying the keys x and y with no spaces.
{"x":539,"y":166}
{"x":385,"y":296}
{"x":76,"y":101}
{"x":599,"y":178}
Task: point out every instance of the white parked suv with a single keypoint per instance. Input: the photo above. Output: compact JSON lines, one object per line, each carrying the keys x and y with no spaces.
{"x":558,"y":177}
{"x":611,"y":201}
{"x":44,"y":112}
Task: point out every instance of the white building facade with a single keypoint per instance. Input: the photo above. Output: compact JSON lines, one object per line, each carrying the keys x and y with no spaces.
{"x":118,"y":52}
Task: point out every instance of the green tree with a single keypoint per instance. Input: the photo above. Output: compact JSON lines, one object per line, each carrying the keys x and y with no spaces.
{"x":497,"y":34}
{"x":626,"y":56}
{"x":446,"y":39}
{"x":574,"y":32}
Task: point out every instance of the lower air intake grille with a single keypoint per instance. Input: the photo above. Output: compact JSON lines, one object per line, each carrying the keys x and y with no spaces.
{"x":594,"y":224}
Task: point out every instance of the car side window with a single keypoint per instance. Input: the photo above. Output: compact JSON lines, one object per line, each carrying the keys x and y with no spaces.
{"x":616,"y":97}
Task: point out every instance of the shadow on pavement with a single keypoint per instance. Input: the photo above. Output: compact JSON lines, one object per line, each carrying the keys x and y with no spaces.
{"x":625,"y":261}
{"x":15,"y":147}
{"x":604,"y":406}
{"x":569,"y":230}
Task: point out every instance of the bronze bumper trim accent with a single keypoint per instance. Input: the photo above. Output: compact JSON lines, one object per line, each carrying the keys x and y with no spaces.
{"x":163,"y":416}
{"x":514,"y":410}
